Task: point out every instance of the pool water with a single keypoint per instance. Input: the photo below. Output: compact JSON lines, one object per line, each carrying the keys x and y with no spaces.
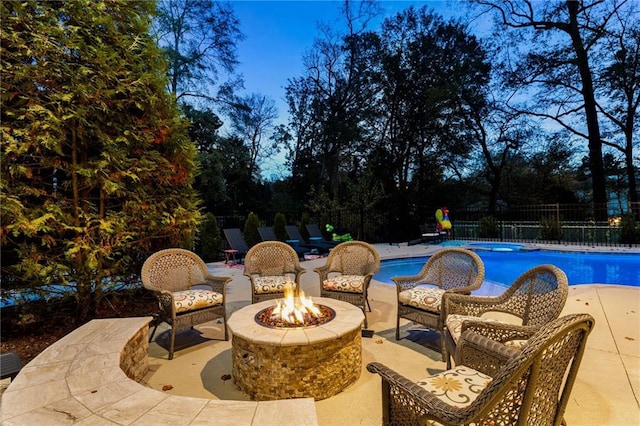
{"x":504,"y":267}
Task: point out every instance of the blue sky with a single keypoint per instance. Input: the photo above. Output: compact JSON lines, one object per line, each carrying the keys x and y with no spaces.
{"x":278,"y":33}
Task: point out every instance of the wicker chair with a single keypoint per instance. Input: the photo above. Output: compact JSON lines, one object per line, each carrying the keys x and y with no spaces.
{"x":269,"y":265}
{"x":177,"y":278}
{"x":450,"y":270}
{"x":495,"y":384}
{"x":347,"y":273}
{"x":535,"y":298}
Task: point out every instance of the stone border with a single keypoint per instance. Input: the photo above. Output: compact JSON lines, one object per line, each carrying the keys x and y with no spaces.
{"x":91,"y":377}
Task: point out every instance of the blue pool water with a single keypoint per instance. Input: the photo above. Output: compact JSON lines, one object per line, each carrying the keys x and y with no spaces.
{"x":505,"y":266}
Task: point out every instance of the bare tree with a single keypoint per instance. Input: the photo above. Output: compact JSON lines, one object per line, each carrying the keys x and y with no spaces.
{"x":199,"y":39}
{"x":252,"y":125}
{"x":558,"y":41}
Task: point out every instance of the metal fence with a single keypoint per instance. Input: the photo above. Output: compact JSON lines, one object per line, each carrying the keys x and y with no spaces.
{"x":548,"y":223}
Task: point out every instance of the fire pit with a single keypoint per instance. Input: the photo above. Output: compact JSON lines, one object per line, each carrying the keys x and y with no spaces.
{"x":273,"y":360}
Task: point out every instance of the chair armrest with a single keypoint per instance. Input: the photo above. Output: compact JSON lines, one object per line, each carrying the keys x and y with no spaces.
{"x":410,"y":394}
{"x":481,"y":353}
{"x":499,"y":331}
{"x":217,"y":284}
{"x":409,"y":281}
{"x":467,"y":304}
{"x":323,"y":272}
{"x":165,"y":301}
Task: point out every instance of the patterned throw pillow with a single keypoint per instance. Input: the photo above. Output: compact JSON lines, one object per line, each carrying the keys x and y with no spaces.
{"x":190,"y":300}
{"x":425,"y":298}
{"x":346,"y":283}
{"x":457,"y":387}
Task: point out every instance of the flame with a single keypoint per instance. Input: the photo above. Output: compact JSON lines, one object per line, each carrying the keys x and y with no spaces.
{"x":295,"y":307}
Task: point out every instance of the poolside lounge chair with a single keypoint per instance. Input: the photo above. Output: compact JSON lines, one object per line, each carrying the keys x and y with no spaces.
{"x":176,"y":276}
{"x":494,"y":384}
{"x":269,"y":265}
{"x":236,"y":242}
{"x":315,"y":234}
{"x":449,"y":270}
{"x":296,"y":237}
{"x":535,"y":298}
{"x":10,"y":365}
{"x":347,"y":273}
{"x":267,"y":234}
{"x":429,"y":233}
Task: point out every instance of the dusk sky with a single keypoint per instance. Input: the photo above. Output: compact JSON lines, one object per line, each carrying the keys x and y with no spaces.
{"x":277,"y":34}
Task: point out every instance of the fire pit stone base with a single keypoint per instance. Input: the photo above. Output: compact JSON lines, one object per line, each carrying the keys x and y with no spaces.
{"x":317,"y":362}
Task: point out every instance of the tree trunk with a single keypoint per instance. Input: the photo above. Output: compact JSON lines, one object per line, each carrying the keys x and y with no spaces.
{"x":595,"y":143}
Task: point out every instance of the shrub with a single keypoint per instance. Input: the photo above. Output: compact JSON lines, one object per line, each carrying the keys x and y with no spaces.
{"x":279,"y":223}
{"x":550,"y":229}
{"x":489,"y":227}
{"x":210,"y":239}
{"x":251,"y":234}
{"x":629,"y":230}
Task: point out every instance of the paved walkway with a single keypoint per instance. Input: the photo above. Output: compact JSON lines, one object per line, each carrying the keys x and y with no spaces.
{"x":606,"y":392}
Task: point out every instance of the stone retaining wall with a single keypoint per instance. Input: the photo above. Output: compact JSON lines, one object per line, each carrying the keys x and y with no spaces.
{"x":90,"y":377}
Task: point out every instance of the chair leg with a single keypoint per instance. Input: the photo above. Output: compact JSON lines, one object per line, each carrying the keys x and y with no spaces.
{"x":173,"y":342}
{"x":397,"y":327}
{"x":368,"y":304}
{"x":226,"y":330}
{"x":154,"y":330}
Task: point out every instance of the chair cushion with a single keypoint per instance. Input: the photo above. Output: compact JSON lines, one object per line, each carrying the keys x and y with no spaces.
{"x":453,"y":322}
{"x":425,"y":298}
{"x":267,"y":284}
{"x":345,"y":283}
{"x":190,"y":300}
{"x":457,"y":387}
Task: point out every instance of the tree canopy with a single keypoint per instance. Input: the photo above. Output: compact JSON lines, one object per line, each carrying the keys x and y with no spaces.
{"x":96,"y":167}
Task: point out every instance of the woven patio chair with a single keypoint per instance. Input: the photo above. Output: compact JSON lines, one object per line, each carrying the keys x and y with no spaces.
{"x":178,"y":278}
{"x":269,"y":265}
{"x":535,"y":298}
{"x":347,"y":273}
{"x":449,"y":270}
{"x":530,"y":387}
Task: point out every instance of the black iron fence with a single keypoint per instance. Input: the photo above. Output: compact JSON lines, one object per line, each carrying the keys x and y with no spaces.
{"x":549,"y":223}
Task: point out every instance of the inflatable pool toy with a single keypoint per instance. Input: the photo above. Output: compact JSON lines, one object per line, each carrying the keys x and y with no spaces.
{"x":336,"y":237}
{"x":442,"y":216}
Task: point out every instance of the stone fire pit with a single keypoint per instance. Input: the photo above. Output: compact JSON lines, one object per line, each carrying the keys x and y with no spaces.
{"x":279,"y":363}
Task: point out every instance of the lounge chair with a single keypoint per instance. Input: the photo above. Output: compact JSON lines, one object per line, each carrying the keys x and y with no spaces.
{"x":237,"y":243}
{"x":494,"y":384}
{"x":429,"y":233}
{"x":296,"y":237}
{"x":267,"y":234}
{"x":316,"y":235}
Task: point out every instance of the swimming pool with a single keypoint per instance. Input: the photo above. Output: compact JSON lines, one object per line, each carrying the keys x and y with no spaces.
{"x":505,"y":266}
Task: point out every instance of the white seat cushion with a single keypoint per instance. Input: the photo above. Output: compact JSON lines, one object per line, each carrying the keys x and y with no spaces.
{"x":457,"y":387}
{"x":345,"y":283}
{"x":190,"y":300}
{"x":425,"y":298}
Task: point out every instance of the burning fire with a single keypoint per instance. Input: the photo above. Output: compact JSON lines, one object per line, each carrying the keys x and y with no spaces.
{"x":295,"y":308}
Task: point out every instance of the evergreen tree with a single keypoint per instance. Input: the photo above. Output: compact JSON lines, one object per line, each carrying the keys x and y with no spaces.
{"x":96,"y":165}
